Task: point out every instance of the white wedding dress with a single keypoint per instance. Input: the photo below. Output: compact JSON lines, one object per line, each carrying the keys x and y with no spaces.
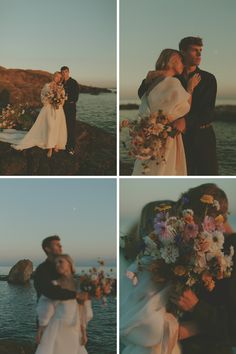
{"x":63,"y":320}
{"x":170,"y":97}
{"x":48,"y":131}
{"x":145,"y":326}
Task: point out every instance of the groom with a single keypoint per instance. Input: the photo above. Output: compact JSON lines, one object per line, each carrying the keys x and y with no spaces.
{"x":198,"y":134}
{"x":71,"y":87}
{"x":46,"y":273}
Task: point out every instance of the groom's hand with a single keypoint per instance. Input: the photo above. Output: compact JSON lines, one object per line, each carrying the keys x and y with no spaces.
{"x":187,"y":301}
{"x":180,"y":125}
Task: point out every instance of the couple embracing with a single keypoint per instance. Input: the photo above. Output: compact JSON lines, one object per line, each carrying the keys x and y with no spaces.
{"x":63,"y":310}
{"x":186,"y":94}
{"x":54,"y":128}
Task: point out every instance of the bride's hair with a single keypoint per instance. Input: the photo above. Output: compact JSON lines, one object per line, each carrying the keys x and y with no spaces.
{"x":164,"y":58}
{"x":192,"y":200}
{"x":56,"y":73}
{"x":69,"y":260}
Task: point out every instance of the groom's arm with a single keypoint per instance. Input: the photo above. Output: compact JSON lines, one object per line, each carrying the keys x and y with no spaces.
{"x":142,"y":89}
{"x":43,"y":285}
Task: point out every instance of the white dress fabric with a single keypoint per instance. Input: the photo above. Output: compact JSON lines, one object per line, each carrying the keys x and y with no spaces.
{"x":145,"y":326}
{"x":63,"y":320}
{"x":48,"y":131}
{"x":170,"y":97}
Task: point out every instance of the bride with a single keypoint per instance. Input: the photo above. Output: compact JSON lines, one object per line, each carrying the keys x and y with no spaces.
{"x":49,"y":130}
{"x":62,"y":324}
{"x":166,"y":93}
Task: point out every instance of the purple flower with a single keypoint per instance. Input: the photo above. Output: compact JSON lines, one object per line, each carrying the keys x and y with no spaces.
{"x":164,"y":232}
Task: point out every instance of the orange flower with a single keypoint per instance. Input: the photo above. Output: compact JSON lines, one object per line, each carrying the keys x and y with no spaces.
{"x":124,"y":123}
{"x":207,"y":199}
{"x":206,"y":277}
{"x":180,"y":270}
{"x":188,"y":218}
{"x":219,"y":219}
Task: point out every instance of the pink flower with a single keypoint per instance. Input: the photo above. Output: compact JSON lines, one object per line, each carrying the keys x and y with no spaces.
{"x":209,"y":224}
{"x":190,"y":231}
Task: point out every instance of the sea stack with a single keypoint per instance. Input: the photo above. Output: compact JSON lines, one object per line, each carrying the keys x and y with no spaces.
{"x":21,"y":272}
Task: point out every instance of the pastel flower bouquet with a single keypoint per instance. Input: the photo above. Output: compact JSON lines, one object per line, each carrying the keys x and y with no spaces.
{"x":56,"y":96}
{"x":148,"y":137}
{"x":96,"y":283}
{"x":185,"y":253}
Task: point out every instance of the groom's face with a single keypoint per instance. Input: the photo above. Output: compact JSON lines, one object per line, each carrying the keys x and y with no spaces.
{"x":55,"y":248}
{"x":193,"y":55}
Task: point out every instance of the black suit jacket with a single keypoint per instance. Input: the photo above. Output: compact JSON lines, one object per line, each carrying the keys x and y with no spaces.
{"x":215,"y":315}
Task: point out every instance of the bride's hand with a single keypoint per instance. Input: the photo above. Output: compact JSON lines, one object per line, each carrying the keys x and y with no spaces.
{"x":193,"y":82}
{"x":180,"y":125}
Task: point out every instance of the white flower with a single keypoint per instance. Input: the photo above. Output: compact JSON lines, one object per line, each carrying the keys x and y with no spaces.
{"x":169,"y":253}
{"x":216,"y":204}
{"x":218,"y":240}
{"x":190,"y":282}
{"x":186,"y":212}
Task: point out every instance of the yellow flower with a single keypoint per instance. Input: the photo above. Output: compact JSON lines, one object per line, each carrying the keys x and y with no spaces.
{"x":207,"y":199}
{"x":180,"y":270}
{"x":162,"y":207}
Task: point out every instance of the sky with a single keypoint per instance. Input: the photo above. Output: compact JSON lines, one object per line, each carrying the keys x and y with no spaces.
{"x":135,"y":193}
{"x":81,"y":211}
{"x":148,"y":27}
{"x":48,"y":34}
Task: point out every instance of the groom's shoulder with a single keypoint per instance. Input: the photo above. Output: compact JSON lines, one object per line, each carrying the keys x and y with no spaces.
{"x":42,"y":267}
{"x":73,"y":81}
{"x":207,"y":75}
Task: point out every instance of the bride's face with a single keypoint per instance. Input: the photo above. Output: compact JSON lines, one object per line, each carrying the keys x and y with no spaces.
{"x":63,"y":266}
{"x":57,"y":78}
{"x":176,"y":63}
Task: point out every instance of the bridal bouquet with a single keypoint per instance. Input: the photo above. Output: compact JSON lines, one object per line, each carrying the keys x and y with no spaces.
{"x":96,"y":283}
{"x":148,"y":137}
{"x":185,"y":253}
{"x":56,"y":96}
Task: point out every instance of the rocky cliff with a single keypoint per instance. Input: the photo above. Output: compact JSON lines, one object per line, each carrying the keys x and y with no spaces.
{"x":95,"y":155}
{"x":21,"y":86}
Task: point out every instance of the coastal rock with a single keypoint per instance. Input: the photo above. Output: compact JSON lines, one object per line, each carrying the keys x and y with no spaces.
{"x":24,"y":86}
{"x":21,"y":272}
{"x":95,"y":154}
{"x":13,"y":347}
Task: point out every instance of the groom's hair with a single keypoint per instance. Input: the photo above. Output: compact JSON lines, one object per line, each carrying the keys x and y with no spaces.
{"x":65,"y":68}
{"x":47,"y":241}
{"x":188,"y":41}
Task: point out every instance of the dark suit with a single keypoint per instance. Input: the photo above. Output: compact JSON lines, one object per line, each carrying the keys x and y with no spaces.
{"x":215,"y":315}
{"x":199,"y":139}
{"x":72,"y":91}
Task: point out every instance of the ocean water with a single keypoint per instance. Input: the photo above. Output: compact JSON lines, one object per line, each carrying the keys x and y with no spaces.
{"x":18,"y":316}
{"x":225,"y":139}
{"x":98,"y":110}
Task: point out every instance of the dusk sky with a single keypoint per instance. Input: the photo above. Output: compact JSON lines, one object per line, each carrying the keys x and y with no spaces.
{"x":81,"y":211}
{"x":135,"y":193}
{"x":147,"y":27}
{"x":48,"y":34}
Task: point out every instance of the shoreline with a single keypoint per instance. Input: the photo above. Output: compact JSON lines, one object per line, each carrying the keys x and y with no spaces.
{"x":226,"y":113}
